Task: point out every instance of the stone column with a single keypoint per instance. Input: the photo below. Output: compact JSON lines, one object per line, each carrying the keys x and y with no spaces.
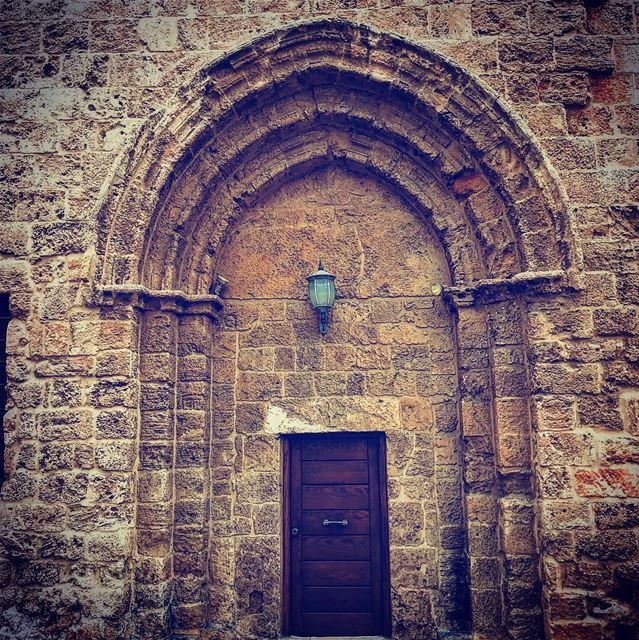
{"x":173,"y":485}
{"x":192,"y":482}
{"x":479,"y":469}
{"x":155,"y":487}
{"x":499,"y":498}
{"x":518,"y":534}
{"x":222,"y":594}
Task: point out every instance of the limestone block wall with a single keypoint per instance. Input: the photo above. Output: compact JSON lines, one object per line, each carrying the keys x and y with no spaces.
{"x":387,"y":364}
{"x":78,"y":80}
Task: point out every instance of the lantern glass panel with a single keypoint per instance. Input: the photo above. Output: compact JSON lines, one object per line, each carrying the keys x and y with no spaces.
{"x":321,"y":290}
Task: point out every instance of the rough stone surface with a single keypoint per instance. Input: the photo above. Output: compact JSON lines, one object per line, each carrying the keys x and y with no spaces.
{"x":287,"y":380}
{"x":142,"y":496}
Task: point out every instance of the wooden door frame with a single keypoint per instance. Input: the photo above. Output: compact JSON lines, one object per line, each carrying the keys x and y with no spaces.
{"x":286,"y":522}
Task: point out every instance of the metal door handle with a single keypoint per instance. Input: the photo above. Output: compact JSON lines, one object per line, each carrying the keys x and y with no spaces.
{"x":343,"y":522}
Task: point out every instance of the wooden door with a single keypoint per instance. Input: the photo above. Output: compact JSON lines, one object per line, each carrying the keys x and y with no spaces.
{"x":336,"y":578}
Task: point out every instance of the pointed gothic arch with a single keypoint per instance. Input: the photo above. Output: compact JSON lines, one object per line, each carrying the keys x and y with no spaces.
{"x":437,"y":125}
{"x":287,"y":103}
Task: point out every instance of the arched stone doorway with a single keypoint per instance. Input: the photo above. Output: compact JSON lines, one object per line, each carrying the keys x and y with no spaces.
{"x":387,"y":365}
{"x":285,"y":110}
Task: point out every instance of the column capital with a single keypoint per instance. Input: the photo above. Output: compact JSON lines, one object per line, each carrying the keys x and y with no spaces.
{"x":172,"y":300}
{"x":490,"y":291}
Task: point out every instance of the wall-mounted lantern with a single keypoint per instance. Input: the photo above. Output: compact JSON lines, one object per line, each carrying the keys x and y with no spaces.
{"x":321,"y":293}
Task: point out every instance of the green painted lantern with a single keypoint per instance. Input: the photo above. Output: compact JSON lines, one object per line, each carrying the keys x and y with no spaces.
{"x":321,"y":293}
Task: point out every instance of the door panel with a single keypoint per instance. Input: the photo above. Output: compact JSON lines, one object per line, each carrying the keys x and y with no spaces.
{"x":349,"y":496}
{"x":337,"y":599}
{"x":335,"y":472}
{"x":337,"y":572}
{"x":343,"y":547}
{"x":333,"y":624}
{"x":345,"y":573}
{"x":358,"y":521}
{"x":324,"y":449}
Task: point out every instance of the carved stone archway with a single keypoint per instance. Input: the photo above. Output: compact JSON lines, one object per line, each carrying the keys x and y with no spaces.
{"x":296,"y":99}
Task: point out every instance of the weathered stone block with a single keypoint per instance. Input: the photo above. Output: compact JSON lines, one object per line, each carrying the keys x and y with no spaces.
{"x":60,"y":238}
{"x":566,"y":379}
{"x":156,"y":425}
{"x":39,"y":518}
{"x":416,"y":414}
{"x":261,"y":453}
{"x":510,"y":381}
{"x":191,"y":425}
{"x":606,"y":483}
{"x":492,"y":18}
{"x":390,"y":383}
{"x":526,"y":54}
{"x":116,"y":424}
{"x":620,"y":450}
{"x":603,"y":545}
{"x":258,"y":386}
{"x":566,"y":514}
{"x":105,"y":547}
{"x":513,"y":450}
{"x":565,"y":448}
{"x":115,"y":455}
{"x":157,"y":367}
{"x":114,"y":36}
{"x":56,"y":456}
{"x":193,"y":396}
{"x":256,"y":488}
{"x":602,"y":412}
{"x":64,"y":487}
{"x":486,"y":609}
{"x":18,"y":546}
{"x":153,"y":596}
{"x":406,"y":521}
{"x":557,"y":18}
{"x":616,"y":515}
{"x":191,"y":454}
{"x":619,"y":321}
{"x":66,"y":36}
{"x":258,"y":359}
{"x":609,"y":18}
{"x":38,"y":574}
{"x":18,"y":486}
{"x":568,"y":606}
{"x":298,"y":385}
{"x":113,"y":488}
{"x":591,"y":120}
{"x":158,"y":34}
{"x":590,"y":53}
{"x":554,"y":482}
{"x":65,"y":424}
{"x":113,"y":393}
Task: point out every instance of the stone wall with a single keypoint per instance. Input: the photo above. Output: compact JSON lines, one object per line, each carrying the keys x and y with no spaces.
{"x":387,"y":364}
{"x":96,"y":528}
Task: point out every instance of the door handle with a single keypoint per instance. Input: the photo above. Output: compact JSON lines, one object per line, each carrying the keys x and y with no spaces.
{"x":343,"y":522}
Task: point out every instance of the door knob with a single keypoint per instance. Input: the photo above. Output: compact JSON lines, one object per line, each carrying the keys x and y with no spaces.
{"x":294,"y":531}
{"x":343,"y":522}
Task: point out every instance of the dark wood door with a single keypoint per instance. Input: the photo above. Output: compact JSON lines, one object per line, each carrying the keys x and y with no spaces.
{"x":336,"y":539}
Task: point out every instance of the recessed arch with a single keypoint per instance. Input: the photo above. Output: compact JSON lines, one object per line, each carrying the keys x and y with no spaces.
{"x":332,"y":68}
{"x":316,"y":94}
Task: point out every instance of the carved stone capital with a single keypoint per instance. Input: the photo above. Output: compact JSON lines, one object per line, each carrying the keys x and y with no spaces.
{"x":172,"y":300}
{"x":526,"y":283}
